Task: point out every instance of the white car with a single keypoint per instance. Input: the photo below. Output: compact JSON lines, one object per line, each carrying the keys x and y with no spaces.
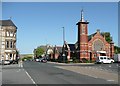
{"x":104,"y":59}
{"x":6,"y":62}
{"x":37,"y":60}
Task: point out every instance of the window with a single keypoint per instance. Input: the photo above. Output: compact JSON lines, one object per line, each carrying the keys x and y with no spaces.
{"x":7,"y":44}
{"x":11,"y":33}
{"x":83,"y":29}
{"x":105,"y":58}
{"x":98,"y":45}
{"x":14,"y":34}
{"x":7,"y":33}
{"x":10,"y":55}
{"x":11,"y":44}
{"x":14,"y":43}
{"x":101,"y":57}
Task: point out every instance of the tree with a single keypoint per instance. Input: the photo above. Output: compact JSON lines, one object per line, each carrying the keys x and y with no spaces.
{"x":17,"y":53}
{"x":116,"y":49}
{"x":38,"y":52}
{"x":107,"y":36}
{"x":109,"y":39}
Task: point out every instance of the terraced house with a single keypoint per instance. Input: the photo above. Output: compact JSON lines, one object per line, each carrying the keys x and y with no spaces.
{"x":7,"y":40}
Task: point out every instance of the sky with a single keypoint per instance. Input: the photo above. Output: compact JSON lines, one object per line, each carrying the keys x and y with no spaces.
{"x":40,"y":23}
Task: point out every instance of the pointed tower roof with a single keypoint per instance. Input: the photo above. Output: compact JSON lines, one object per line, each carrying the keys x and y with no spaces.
{"x":82,"y":17}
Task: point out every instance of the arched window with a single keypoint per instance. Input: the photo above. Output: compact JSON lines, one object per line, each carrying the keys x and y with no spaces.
{"x":11,"y":44}
{"x":98,"y":45}
{"x":7,"y":44}
{"x":83,"y":30}
{"x":11,"y":33}
{"x":7,"y":33}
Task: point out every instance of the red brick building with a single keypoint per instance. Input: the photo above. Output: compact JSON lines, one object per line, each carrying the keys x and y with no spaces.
{"x":89,"y":46}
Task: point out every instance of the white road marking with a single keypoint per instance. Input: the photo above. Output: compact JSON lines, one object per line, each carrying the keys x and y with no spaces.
{"x":92,"y":76}
{"x":18,"y":71}
{"x":89,"y":67}
{"x":20,"y":66}
{"x":30,"y":78}
{"x":111,"y":80}
{"x":117,"y":65}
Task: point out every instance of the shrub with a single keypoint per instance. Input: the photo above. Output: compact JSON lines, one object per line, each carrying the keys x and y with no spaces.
{"x":76,"y":61}
{"x":84,"y":60}
{"x":26,"y":58}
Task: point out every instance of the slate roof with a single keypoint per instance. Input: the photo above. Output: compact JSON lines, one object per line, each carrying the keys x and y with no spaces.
{"x":6,"y":23}
{"x":92,"y":35}
{"x":72,"y":47}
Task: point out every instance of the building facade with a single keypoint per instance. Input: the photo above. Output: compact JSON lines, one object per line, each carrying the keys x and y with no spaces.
{"x":8,"y":32}
{"x":89,"y":46}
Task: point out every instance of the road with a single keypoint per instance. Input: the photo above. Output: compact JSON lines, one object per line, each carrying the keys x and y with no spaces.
{"x":46,"y":73}
{"x":35,"y":73}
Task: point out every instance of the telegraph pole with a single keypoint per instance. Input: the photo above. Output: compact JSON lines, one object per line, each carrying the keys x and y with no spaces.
{"x":63,"y":44}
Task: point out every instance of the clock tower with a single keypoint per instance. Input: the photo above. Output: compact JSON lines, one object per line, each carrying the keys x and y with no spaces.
{"x":82,"y":49}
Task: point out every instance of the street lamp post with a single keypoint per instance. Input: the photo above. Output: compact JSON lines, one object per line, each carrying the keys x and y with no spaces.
{"x":63,"y":44}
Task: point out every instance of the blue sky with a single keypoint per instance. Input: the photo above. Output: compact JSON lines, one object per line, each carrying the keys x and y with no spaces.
{"x":41,"y":23}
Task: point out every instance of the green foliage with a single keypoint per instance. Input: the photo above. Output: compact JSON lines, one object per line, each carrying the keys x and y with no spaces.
{"x":17,"y":53}
{"x":26,"y":58}
{"x":108,"y":39}
{"x":107,"y":36}
{"x":116,"y":49}
{"x":76,"y":61}
{"x":39,"y":51}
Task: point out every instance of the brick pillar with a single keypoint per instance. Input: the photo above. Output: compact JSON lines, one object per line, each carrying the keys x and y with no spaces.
{"x":68,"y":56}
{"x":111,"y":49}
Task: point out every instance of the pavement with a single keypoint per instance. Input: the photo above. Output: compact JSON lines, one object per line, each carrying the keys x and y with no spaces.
{"x":13,"y":74}
{"x":71,"y":63}
{"x":0,"y":75}
{"x":85,"y":70}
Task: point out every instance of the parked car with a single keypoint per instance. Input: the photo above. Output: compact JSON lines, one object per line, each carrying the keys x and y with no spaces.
{"x":6,"y":62}
{"x":44,"y":60}
{"x":15,"y":61}
{"x":37,"y":60}
{"x":104,"y":59}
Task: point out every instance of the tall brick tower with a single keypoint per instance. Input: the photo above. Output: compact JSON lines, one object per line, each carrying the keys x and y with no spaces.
{"x":82,"y":38}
